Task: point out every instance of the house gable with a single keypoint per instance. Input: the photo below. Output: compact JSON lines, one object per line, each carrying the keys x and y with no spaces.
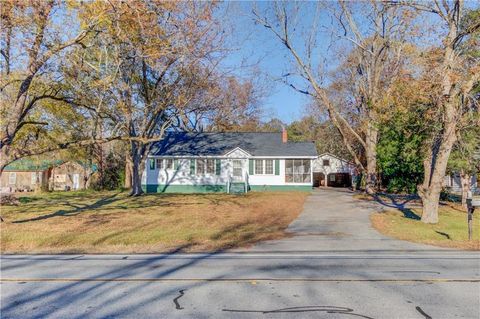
{"x":335,"y":164}
{"x":237,"y":153}
{"x":331,"y":156}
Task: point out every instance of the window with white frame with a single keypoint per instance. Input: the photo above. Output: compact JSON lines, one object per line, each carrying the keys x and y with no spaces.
{"x":159,"y":162}
{"x":297,"y":171}
{"x":258,"y":167}
{"x":169,"y":163}
{"x":210,"y":166}
{"x":268,"y":167}
{"x":12,"y":178}
{"x":264,"y":167}
{"x":201,"y":166}
{"x":205,"y":166}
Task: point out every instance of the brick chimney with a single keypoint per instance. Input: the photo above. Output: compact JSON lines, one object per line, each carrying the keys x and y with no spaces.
{"x":284,"y":135}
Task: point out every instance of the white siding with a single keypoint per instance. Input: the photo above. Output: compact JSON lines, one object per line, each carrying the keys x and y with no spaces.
{"x":182,"y":176}
{"x":336,"y":165}
{"x":454,"y":185}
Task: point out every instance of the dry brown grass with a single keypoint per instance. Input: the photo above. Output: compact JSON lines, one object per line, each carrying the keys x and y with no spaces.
{"x":109,"y":222}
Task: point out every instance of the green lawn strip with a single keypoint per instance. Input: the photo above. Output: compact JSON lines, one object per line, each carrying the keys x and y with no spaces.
{"x":450,"y":231}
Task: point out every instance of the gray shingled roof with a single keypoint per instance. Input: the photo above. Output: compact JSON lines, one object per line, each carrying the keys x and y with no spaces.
{"x":218,"y":144}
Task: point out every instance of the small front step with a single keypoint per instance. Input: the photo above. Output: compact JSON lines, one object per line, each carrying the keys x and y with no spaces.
{"x":237,"y":188}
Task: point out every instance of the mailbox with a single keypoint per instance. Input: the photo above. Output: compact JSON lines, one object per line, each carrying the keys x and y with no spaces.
{"x":473,"y":201}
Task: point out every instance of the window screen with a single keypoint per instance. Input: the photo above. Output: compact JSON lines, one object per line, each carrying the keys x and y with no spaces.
{"x":297,"y":171}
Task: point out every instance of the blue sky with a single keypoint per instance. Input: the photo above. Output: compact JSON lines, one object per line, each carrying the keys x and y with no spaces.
{"x":257,"y":49}
{"x":256,"y":45}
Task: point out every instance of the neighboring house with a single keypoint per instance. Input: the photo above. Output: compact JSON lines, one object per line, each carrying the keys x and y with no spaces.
{"x":331,"y":170}
{"x":71,"y":176}
{"x":454,"y":185}
{"x":228,"y":162}
{"x":28,"y":175}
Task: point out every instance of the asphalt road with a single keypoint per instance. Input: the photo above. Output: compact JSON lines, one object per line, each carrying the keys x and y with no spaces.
{"x":426,"y":284}
{"x":334,"y":266}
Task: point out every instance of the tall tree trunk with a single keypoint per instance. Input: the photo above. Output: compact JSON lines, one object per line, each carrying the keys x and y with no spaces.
{"x":435,"y":166}
{"x":128,"y":172}
{"x":138,"y":165}
{"x":371,"y":155}
{"x":465,"y":180}
{"x":430,"y":200}
{"x":136,"y":181}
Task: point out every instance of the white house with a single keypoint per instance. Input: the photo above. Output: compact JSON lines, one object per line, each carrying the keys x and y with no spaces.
{"x":331,"y":170}
{"x":453,"y":183}
{"x":228,"y":162}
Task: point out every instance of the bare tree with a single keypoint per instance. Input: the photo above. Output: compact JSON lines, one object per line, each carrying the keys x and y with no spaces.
{"x":375,"y":59}
{"x":228,"y":104}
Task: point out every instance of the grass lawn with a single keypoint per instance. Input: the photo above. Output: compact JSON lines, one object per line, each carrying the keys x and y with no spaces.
{"x":451,"y":230}
{"x":112,"y":222}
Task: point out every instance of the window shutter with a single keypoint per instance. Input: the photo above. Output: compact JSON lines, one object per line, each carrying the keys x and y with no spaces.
{"x":218,"y":167}
{"x":175,"y":164}
{"x":277,"y":167}
{"x":192,"y":166}
{"x":152,"y":163}
{"x":250,"y":166}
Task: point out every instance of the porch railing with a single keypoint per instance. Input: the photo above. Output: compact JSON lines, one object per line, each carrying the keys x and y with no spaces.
{"x":237,"y":180}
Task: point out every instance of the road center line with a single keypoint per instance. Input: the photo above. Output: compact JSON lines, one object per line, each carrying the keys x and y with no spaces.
{"x":439,"y":280}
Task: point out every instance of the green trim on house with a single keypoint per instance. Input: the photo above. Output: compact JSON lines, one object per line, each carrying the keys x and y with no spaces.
{"x":218,"y":166}
{"x":192,"y":166}
{"x":278,"y":188}
{"x":250,"y":167}
{"x":192,"y":189}
{"x":156,"y":188}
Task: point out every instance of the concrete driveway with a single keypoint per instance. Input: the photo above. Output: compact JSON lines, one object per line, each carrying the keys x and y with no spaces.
{"x":333,"y":220}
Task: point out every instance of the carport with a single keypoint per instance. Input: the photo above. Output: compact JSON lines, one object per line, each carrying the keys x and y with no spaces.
{"x":332,"y":171}
{"x":339,"y":180}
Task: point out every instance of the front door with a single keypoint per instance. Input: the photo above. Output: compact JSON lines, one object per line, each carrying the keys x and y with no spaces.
{"x":76,"y":181}
{"x":237,"y":169}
